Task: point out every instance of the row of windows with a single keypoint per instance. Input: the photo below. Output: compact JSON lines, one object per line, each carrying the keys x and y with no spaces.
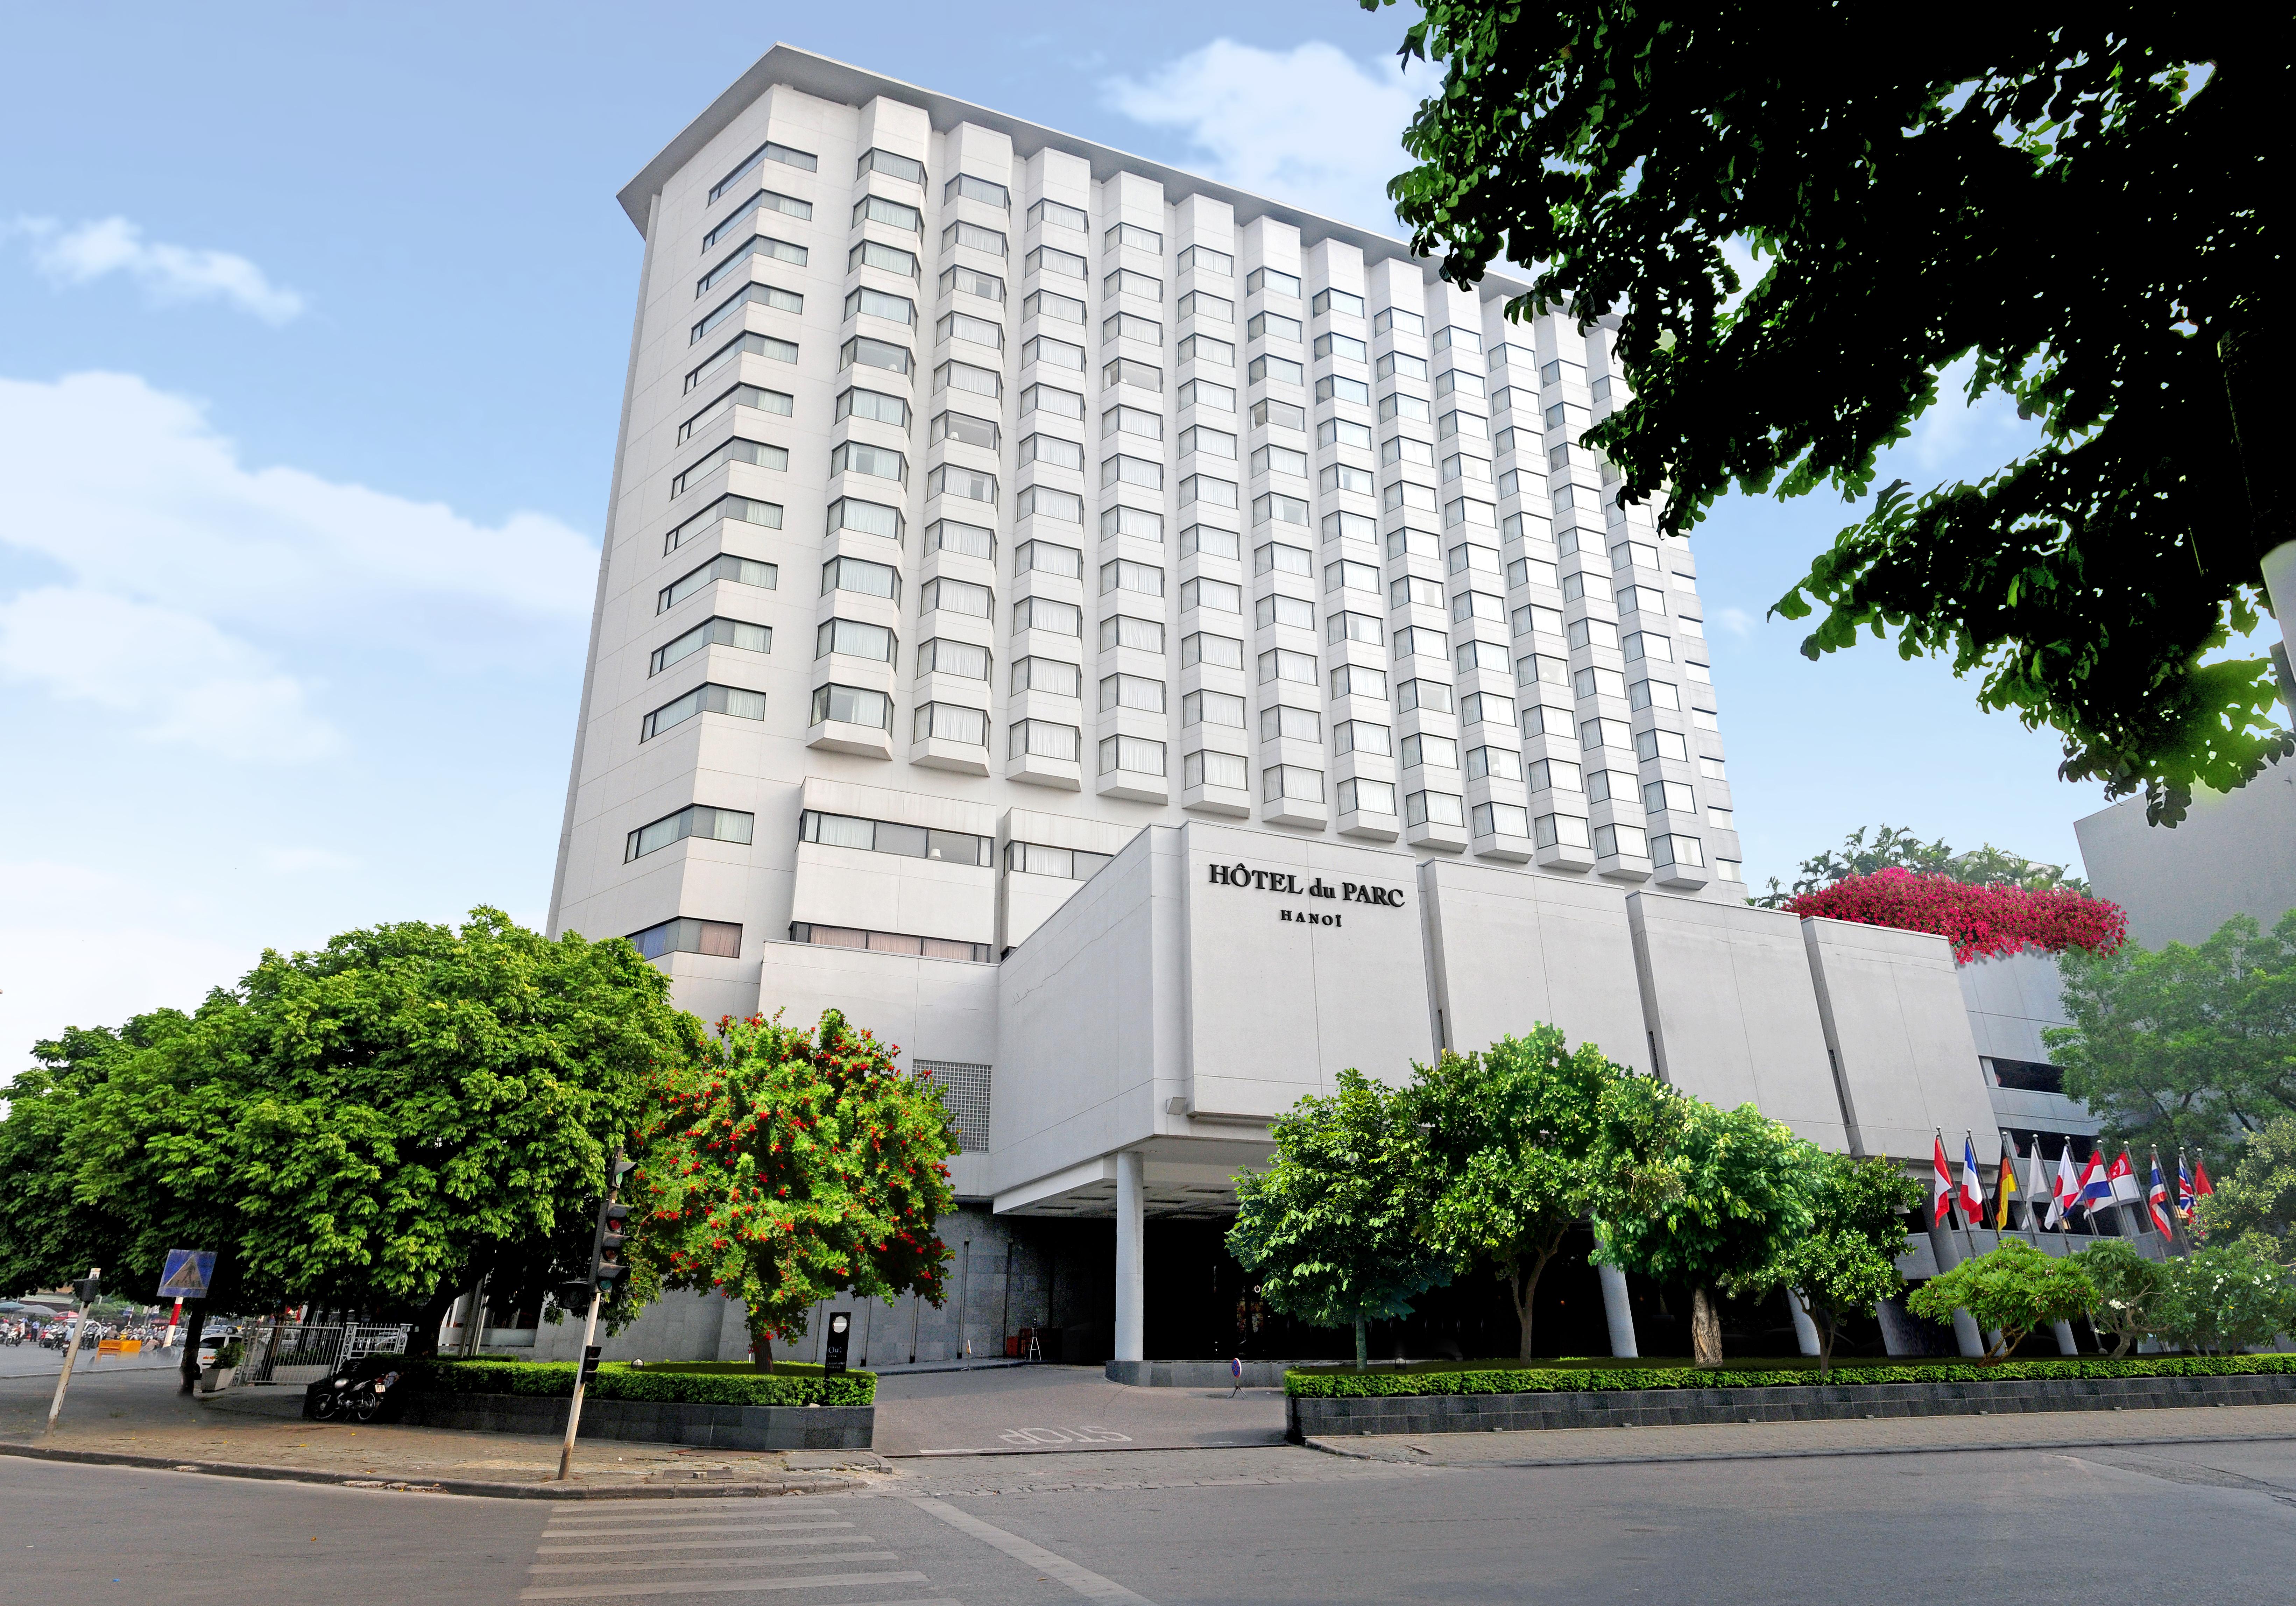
{"x":887,"y":942}
{"x":886,"y":836}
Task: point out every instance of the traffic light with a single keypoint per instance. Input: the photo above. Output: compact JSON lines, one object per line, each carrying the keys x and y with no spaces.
{"x":606,"y":1267}
{"x":85,"y":1288}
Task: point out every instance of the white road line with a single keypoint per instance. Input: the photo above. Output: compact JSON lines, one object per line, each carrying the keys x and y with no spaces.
{"x":1085,"y":1582}
{"x":558,"y":1532}
{"x":608,"y":1550}
{"x":843,"y":1558}
{"x":594,"y":1521}
{"x":593,"y":1592}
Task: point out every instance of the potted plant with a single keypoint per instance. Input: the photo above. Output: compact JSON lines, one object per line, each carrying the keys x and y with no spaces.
{"x":218,"y":1374}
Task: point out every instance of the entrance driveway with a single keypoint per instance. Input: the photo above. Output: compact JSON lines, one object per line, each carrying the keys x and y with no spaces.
{"x":1048,"y":1408}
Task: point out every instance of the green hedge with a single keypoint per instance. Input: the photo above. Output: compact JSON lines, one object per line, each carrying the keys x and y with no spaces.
{"x":1544,"y":1379}
{"x":618,"y":1379}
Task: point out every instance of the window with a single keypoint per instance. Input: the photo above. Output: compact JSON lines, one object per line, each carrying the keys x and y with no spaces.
{"x":946,"y":535}
{"x":1476,"y":707}
{"x":1271,"y":506}
{"x":1047,"y":557}
{"x":1283,"y":369}
{"x":1280,"y":721}
{"x":866,"y":352}
{"x":1130,"y":282}
{"x":1345,"y":477}
{"x":1392,"y":362}
{"x":1569,"y":831}
{"x":1212,"y":443}
{"x":1405,"y":495}
{"x":885,"y":836}
{"x":1353,"y":680}
{"x":1646,"y":643}
{"x":1274,"y":281}
{"x":1361,"y":736}
{"x":763,"y":295}
{"x":1125,"y":630}
{"x":1277,"y":557}
{"x":852,"y":705}
{"x":866,"y":578}
{"x":1281,"y":415}
{"x":1042,"y":501}
{"x":1131,"y":691}
{"x":1358,"y":795}
{"x":1052,"y":449}
{"x":1396,"y":405}
{"x":964,"y":659}
{"x":740,"y":396}
{"x":1135,"y":754}
{"x":949,"y":721}
{"x":1339,"y":431}
{"x":877,"y":303}
{"x":1291,"y":780}
{"x":1586,"y":584}
{"x":1264,"y":325}
{"x":1223,"y":652}
{"x":1434,"y":809}
{"x":1661,"y":797}
{"x":1334,"y":387}
{"x":1053,"y":211}
{"x":888,"y":942}
{"x":1122,"y":470}
{"x":694,"y":820}
{"x":892,"y":213}
{"x":741,"y":572}
{"x":705,"y":699}
{"x":1207,"y":308}
{"x":957,"y":596}
{"x":1604,"y":733}
{"x":907,"y":168}
{"x":1280,"y":663}
{"x":1395,"y":317}
{"x":964,"y":326}
{"x":733,"y":450}
{"x":867,"y":518}
{"x":1052,"y":353}
{"x":710,"y":633}
{"x":1417,"y":641}
{"x":892,"y":258}
{"x":1047,"y":399}
{"x":1634,"y":555}
{"x":1477,"y":605}
{"x":1204,"y":488}
{"x":1412,"y":590}
{"x":745,"y":510}
{"x":1136,"y":522}
{"x":1452,"y":381}
{"x":874,"y":404}
{"x":1342,"y":345}
{"x":1347,"y":575}
{"x":1132,"y":235}
{"x":1598,"y":682}
{"x":1504,"y":762}
{"x":1349,"y":526}
{"x":718,"y":938}
{"x":859,"y":457}
{"x":1534,"y":571}
{"x":1209,"y":540}
{"x":1662,"y":744}
{"x":1046,"y":303}
{"x":1460,"y":466}
{"x":1349,"y":627}
{"x":1652,"y":693}
{"x":1071,"y":863}
{"x":964,"y":427}
{"x":1336,"y":300}
{"x":1140,"y":376}
{"x":1711,"y":768}
{"x":1598,"y":632}
{"x":1044,"y":259}
{"x":1212,"y":708}
{"x":974,"y":238}
{"x":1285,"y":611}
{"x":1562,"y":773}
{"x":1479,"y":655}
{"x":1051,"y":675}
{"x":1203,"y":393}
{"x":1203,"y":260}
{"x":1625,"y":841}
{"x":1466,"y":425}
{"x":1204,"y":348}
{"x":1218,"y":595}
{"x":1204,"y":767}
{"x":851,"y":638}
{"x":1122,"y":574}
{"x":768,"y":151}
{"x":967,"y":485}
{"x":986,"y":191}
{"x":1421,"y":748}
{"x":1501,"y":820}
{"x":1433,"y":695}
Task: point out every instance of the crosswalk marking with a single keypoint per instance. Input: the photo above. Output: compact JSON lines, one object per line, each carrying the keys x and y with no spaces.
{"x":715,"y":1546}
{"x":625,"y":1545}
{"x":1082,"y":1580}
{"x":691,"y":1525}
{"x":588,"y":1592}
{"x":688,"y":1511}
{"x":841,"y":1558}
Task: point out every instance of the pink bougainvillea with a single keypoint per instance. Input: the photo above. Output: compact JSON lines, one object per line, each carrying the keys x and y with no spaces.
{"x":1980,"y":921}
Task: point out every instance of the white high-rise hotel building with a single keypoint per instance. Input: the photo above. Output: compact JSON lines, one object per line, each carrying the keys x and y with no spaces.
{"x":1035,"y":577}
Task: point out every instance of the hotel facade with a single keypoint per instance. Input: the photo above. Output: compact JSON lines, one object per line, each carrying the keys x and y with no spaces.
{"x":1142,"y":648}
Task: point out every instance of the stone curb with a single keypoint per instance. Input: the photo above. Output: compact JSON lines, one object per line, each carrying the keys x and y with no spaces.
{"x":1336,"y":1448}
{"x":822,"y":1484}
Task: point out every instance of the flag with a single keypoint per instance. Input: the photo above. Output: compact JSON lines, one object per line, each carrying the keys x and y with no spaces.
{"x":2004,"y":1187}
{"x":2123,"y":1178}
{"x":1940,"y":1182}
{"x":2037,"y":1186}
{"x":2202,"y":1186}
{"x":2067,"y":1193}
{"x":2156,"y":1201}
{"x":2095,"y":1189}
{"x":2184,"y":1187}
{"x":1973,"y":1186}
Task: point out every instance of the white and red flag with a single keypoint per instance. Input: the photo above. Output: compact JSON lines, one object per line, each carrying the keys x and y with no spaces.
{"x":2066,"y":1192}
{"x":2123,"y":1178}
{"x":1940,"y":1182}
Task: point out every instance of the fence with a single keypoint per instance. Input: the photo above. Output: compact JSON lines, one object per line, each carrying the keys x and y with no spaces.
{"x":295,"y":1353}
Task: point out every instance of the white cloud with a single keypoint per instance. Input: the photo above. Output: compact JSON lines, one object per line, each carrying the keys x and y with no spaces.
{"x":168,"y":273}
{"x":1737,"y":621}
{"x":1310,"y":126}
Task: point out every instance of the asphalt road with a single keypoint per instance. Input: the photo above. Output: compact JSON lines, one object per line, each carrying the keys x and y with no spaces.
{"x":1282,"y":1525}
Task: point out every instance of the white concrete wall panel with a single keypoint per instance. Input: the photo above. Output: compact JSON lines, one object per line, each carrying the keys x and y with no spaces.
{"x":2011,"y":999}
{"x":1727,"y":994}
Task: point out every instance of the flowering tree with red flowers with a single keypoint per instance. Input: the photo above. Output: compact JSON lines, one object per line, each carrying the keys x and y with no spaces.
{"x":783,"y":1165}
{"x":1979,"y":921}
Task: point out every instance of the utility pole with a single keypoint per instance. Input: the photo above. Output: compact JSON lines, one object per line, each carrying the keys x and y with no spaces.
{"x":606,"y":1269}
{"x":85,"y":1290}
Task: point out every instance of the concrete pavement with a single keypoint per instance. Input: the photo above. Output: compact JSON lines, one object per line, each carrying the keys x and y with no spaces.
{"x":1040,"y":1409}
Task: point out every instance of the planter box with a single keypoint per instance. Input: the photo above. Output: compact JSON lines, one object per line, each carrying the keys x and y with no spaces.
{"x":654,"y":1421}
{"x":216,"y":1378}
{"x":1305,"y":1418}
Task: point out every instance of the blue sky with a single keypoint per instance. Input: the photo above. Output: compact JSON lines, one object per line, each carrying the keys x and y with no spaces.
{"x":312,"y":330}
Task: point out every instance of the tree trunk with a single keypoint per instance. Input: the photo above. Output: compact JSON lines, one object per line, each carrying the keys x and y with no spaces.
{"x":1362,"y":1345}
{"x":423,"y":1341}
{"x":1524,"y":1289}
{"x":1821,"y":1316}
{"x":189,"y":1366}
{"x":2120,"y":1343}
{"x":1705,"y":1328}
{"x":762,"y":1350}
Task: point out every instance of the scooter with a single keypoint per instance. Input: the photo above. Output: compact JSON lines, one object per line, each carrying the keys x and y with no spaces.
{"x":350,"y":1398}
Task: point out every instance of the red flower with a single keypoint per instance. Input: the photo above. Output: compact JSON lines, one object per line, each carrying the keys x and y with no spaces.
{"x":1980,"y":921}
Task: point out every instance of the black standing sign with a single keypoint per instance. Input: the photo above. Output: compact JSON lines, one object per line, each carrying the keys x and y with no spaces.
{"x":840,"y":1334}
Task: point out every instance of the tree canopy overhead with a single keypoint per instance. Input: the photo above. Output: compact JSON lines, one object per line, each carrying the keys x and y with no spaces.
{"x":2064,"y":198}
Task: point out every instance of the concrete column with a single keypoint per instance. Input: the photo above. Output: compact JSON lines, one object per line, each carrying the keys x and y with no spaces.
{"x":1131,"y":1279}
{"x":2064,"y":1332}
{"x":1805,"y":1330}
{"x":1964,"y":1325}
{"x":1617,"y":1310}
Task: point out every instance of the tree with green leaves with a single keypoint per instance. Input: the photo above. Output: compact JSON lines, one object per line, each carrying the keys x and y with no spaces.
{"x":1513,"y":1143}
{"x":784,"y":1165}
{"x":2229,"y":1297}
{"x":2256,"y":1200}
{"x":2191,"y":1046}
{"x":372,"y":1125}
{"x":2134,"y":1295}
{"x":1332,"y":1226}
{"x":2069,"y":208}
{"x":1687,"y":1193}
{"x":1848,"y":1260}
{"x":2011,"y":1291}
{"x":1894,"y":848}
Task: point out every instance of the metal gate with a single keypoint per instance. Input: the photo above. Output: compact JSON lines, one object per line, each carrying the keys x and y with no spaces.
{"x":296,"y":1353}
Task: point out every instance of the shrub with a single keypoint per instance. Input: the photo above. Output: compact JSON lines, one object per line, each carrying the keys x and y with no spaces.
{"x":618,"y":1379}
{"x":1977,"y":921}
{"x":2009,"y":1291}
{"x":1558,"y":1379}
{"x":2134,"y":1295}
{"x":2229,"y":1296}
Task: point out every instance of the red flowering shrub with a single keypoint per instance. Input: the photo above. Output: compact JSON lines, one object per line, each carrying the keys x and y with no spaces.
{"x":1980,"y":921}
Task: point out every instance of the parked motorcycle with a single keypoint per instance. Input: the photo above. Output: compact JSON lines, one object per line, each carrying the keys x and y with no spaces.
{"x":348,"y":1396}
